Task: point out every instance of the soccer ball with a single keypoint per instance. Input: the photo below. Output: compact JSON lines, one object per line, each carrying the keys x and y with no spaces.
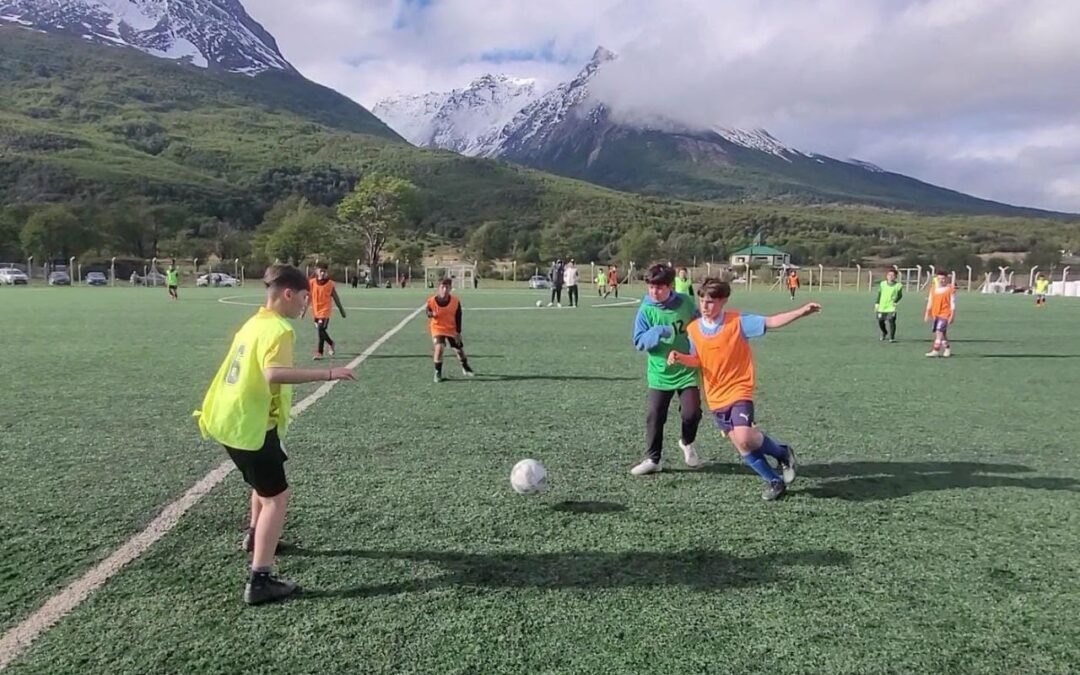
{"x":528,"y":477}
{"x":539,"y":303}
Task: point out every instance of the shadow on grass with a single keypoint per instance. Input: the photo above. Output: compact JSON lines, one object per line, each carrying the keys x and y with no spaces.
{"x":1030,"y":356}
{"x":428,"y":356}
{"x":699,"y":569}
{"x":588,"y":507}
{"x":494,"y":377}
{"x":876,"y":481}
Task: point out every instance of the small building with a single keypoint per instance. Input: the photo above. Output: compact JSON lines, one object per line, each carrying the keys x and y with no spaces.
{"x":759,"y":253}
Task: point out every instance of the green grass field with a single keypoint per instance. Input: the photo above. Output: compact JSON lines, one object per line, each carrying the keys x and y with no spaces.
{"x":935,"y":525}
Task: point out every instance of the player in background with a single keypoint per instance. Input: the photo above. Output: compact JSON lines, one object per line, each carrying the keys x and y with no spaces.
{"x":660,"y":327}
{"x":571,"y":276}
{"x":322,"y":291}
{"x":792,"y":282}
{"x":444,"y":324}
{"x":172,"y":280}
{"x":890,"y":292}
{"x":601,"y":281}
{"x":720,"y":348}
{"x":246,"y":409}
{"x":941,"y":312}
{"x":1042,"y":288}
{"x":683,"y":284}
{"x":612,"y":282}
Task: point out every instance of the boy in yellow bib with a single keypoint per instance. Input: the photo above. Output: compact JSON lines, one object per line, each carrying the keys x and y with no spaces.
{"x":246,"y":409}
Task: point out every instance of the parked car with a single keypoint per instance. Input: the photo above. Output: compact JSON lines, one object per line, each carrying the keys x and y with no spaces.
{"x":59,"y":278}
{"x":13,"y":276}
{"x":96,"y":279}
{"x":539,"y":281}
{"x":217,"y":279}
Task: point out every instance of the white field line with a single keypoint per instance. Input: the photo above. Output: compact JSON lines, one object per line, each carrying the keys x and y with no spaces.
{"x":19,"y":638}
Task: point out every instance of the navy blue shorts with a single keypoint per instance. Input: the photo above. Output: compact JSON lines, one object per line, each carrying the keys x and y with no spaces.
{"x":940,"y":326}
{"x":738,"y":414}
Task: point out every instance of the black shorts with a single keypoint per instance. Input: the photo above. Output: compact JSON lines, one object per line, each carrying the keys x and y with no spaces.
{"x":454,"y":342}
{"x":172,"y":288}
{"x":263,"y":469}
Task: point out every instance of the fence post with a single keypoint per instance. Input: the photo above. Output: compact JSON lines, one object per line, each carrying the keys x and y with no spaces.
{"x":839,"y":279}
{"x":30,"y":268}
{"x":821,"y":278}
{"x":811,"y":271}
{"x":71,"y":269}
{"x":969,"y":278}
{"x":858,"y":276}
{"x":1031,"y":276}
{"x":112,"y":272}
{"x":870,"y":280}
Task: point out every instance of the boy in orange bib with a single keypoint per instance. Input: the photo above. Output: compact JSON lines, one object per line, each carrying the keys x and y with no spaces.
{"x":444,"y":324}
{"x":322,"y":292}
{"x":941,"y":311}
{"x":720,"y":347}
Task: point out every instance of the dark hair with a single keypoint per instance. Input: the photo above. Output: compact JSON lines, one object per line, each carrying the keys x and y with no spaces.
{"x":943,"y":272}
{"x":714,"y":289}
{"x":320,"y":266}
{"x":660,"y":275}
{"x":282,"y":277}
{"x":446,"y":282}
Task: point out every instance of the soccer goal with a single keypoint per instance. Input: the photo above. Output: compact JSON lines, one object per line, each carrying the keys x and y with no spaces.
{"x":462,"y":275}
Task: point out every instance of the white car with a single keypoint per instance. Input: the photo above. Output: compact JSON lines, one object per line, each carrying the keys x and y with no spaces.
{"x":13,"y":276}
{"x":539,"y":281}
{"x":217,"y":279}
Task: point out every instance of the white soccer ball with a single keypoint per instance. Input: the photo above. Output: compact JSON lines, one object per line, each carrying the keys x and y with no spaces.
{"x":528,"y":477}
{"x":539,"y":303}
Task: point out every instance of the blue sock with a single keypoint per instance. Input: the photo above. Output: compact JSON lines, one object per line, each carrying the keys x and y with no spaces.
{"x":756,"y":461}
{"x":773,"y":449}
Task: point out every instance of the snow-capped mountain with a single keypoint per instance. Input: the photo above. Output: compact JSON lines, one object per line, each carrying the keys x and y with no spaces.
{"x":571,"y":131}
{"x":462,"y":120}
{"x":208,"y":33}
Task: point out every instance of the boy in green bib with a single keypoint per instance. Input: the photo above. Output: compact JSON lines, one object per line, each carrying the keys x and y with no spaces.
{"x":890,"y":293}
{"x":246,"y":409}
{"x":172,"y":280}
{"x":660,"y":327}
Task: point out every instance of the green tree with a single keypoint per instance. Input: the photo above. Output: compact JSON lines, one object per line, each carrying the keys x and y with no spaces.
{"x":489,"y":241}
{"x":638,"y":246}
{"x":378,"y":206}
{"x":303,"y":231}
{"x":54,"y":231}
{"x":1046,"y":256}
{"x":10,"y":246}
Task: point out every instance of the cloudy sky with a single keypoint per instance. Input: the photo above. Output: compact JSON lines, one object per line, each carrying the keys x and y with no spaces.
{"x":977,"y":95}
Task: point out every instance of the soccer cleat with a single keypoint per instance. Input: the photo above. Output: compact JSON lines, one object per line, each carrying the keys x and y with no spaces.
{"x":330,"y":348}
{"x":438,"y":378}
{"x":262,"y":589}
{"x":933,"y":354}
{"x":468,"y":372}
{"x":551,"y":304}
{"x":646,"y":467}
{"x":881,"y":339}
{"x":892,"y":341}
{"x":788,"y":466}
{"x":690,"y":456}
{"x":316,"y":356}
{"x":774,"y":491}
{"x":947,"y":353}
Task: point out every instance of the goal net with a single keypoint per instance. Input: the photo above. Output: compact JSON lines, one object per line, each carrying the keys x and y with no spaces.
{"x":461,"y":275}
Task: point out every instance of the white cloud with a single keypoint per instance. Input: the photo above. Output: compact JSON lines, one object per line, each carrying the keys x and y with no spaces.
{"x":977,"y":95}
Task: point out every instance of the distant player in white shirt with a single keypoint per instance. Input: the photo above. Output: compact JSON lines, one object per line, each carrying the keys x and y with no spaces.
{"x":570,"y":280}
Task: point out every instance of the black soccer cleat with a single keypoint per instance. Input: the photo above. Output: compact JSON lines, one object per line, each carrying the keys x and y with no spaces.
{"x":263,"y":588}
{"x":774,"y":491}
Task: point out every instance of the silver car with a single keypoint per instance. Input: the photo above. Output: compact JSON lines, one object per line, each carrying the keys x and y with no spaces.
{"x":539,"y":281}
{"x":59,"y":278}
{"x":13,"y":276}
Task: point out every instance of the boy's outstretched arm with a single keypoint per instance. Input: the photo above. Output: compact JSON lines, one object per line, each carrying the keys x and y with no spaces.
{"x":290,"y":375}
{"x":337,"y":301}
{"x":784,"y":318}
